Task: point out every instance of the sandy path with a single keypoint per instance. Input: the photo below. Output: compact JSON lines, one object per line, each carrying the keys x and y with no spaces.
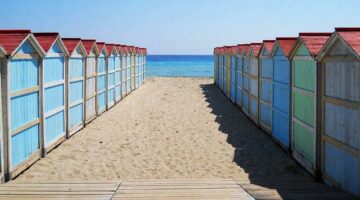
{"x":178,"y":128}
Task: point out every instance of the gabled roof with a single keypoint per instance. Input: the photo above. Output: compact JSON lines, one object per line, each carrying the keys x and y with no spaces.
{"x":101,"y":46}
{"x":268,"y":45}
{"x":312,"y":41}
{"x":243,"y":49}
{"x":130,"y":49}
{"x":2,"y":51}
{"x":145,"y":49}
{"x":11,"y":40}
{"x":124,"y":49}
{"x":110,"y":48}
{"x":89,"y":44}
{"x":255,"y":48}
{"x":351,"y":36}
{"x":118,"y":48}
{"x":286,"y":44}
{"x":72,"y":43}
{"x":48,"y":39}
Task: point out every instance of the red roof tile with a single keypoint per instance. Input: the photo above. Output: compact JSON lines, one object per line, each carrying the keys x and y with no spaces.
{"x":255,"y":47}
{"x":11,"y":39}
{"x":314,"y":41}
{"x":46,"y":40}
{"x":268,"y":44}
{"x":109,"y":48}
{"x":351,"y":36}
{"x":118,"y":48}
{"x":123,"y":49}
{"x":88,"y":45}
{"x":286,"y":44}
{"x":71,"y":43}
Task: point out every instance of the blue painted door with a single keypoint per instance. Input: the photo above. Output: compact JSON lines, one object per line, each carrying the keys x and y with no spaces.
{"x":245,"y":96}
{"x":118,"y":78}
{"x":266,"y":72}
{"x":54,"y":99}
{"x":101,"y":84}
{"x":128,"y":74}
{"x":111,"y":81}
{"x":233,"y":79}
{"x":239,"y":80}
{"x":76,"y":92}
{"x":24,"y":109}
{"x":281,"y":99}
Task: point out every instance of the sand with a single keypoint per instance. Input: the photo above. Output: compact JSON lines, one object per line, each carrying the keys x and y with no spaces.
{"x":170,"y":128}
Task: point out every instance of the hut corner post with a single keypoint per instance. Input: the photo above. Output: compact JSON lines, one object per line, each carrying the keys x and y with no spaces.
{"x":5,"y":121}
{"x":318,"y":122}
{"x":85,"y":63}
{"x":41,"y":108}
{"x":67,"y":58}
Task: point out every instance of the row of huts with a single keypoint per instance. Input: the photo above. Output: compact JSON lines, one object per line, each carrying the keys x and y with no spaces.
{"x":51,"y":87}
{"x":305,"y":92}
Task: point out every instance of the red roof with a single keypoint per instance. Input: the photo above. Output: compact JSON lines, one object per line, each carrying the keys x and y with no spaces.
{"x":109,"y":48}
{"x":245,"y":48}
{"x":71,"y":43}
{"x":118,"y":48}
{"x":100,"y":46}
{"x":11,"y":39}
{"x":268,"y":44}
{"x":351,"y":36}
{"x":88,"y":45}
{"x":255,"y":47}
{"x":314,"y":41}
{"x":233,"y":50}
{"x":145,"y":49}
{"x":286,"y":44}
{"x":46,"y":40}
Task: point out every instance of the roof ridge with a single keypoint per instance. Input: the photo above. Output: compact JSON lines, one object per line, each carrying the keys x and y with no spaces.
{"x":14,"y":31}
{"x":315,"y":34}
{"x":347,"y":29}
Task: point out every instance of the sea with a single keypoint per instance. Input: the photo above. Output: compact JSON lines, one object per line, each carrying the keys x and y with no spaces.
{"x":180,"y":65}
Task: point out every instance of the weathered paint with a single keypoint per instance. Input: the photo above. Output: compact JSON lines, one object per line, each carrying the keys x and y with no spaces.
{"x":24,"y":109}
{"x":76,"y":92}
{"x":239,"y":80}
{"x":254,"y":82}
{"x":340,"y":100}
{"x":265,"y":96}
{"x":118,"y":77}
{"x":101,"y":81}
{"x":110,"y":80}
{"x":281,"y":98}
{"x":54,"y":98}
{"x":246,"y":85}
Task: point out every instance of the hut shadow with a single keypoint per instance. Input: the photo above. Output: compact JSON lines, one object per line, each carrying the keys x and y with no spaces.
{"x":255,"y":153}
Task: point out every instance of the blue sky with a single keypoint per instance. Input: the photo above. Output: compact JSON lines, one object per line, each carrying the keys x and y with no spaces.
{"x":179,"y":26}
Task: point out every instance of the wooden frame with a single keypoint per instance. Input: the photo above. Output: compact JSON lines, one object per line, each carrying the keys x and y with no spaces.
{"x":113,"y":52}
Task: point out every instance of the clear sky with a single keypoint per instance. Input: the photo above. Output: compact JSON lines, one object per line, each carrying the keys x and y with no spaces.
{"x":179,"y":26}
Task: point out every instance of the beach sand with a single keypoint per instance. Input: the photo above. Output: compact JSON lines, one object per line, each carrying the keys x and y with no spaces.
{"x":170,"y":128}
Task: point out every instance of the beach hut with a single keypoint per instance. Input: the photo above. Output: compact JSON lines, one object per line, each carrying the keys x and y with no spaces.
{"x":221,"y":68}
{"x":123,"y":70}
{"x":128,"y":69}
{"x":281,"y":90}
{"x":21,"y":100}
{"x":53,"y":90}
{"x":239,"y":67}
{"x":137,"y":68}
{"x":110,"y":74}
{"x":253,"y":55}
{"x":215,"y":52}
{"x":132,"y":69}
{"x":2,"y":56}
{"x":101,"y":78}
{"x":340,"y":109}
{"x":144,"y":65}
{"x":75,"y":66}
{"x":245,"y":79}
{"x":304,"y":94}
{"x":118,"y":63}
{"x":227,"y":75}
{"x":265,"y":84}
{"x":90,"y":79}
{"x":233,"y":73}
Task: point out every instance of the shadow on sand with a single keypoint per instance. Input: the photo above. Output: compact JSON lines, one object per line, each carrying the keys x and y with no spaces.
{"x":267,"y":165}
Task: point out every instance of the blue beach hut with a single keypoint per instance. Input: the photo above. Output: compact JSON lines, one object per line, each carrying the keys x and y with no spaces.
{"x":75,"y":66}
{"x":281,"y":109}
{"x":340,"y":109}
{"x":239,"y":81}
{"x":265,"y":85}
{"x":232,"y":59}
{"x":110,"y":74}
{"x":21,"y":100}
{"x":118,"y":62}
{"x":101,"y":78}
{"x":137,"y":69}
{"x":245,"y":79}
{"x":128,"y":70}
{"x":123,"y":70}
{"x":216,"y":66}
{"x":53,"y":90}
{"x":252,"y":56}
{"x":90,"y":79}
{"x":144,"y":65}
{"x":132,"y":68}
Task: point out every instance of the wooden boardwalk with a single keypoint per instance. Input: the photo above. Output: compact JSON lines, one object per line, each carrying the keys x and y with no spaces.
{"x":174,"y":189}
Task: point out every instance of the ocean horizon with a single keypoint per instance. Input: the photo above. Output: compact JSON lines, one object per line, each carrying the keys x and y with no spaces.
{"x":180,"y":66}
